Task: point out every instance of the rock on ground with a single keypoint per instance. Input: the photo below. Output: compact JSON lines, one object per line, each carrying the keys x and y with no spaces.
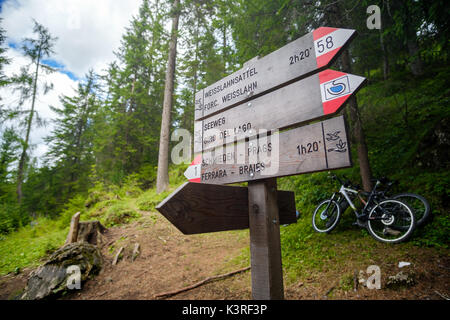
{"x":50,"y":279}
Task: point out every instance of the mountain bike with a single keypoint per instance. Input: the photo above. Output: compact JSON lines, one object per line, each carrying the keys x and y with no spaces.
{"x":420,"y":205}
{"x":387,"y":220}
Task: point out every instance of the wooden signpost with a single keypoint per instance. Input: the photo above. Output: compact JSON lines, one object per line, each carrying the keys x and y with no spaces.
{"x":316,"y":147}
{"x":298,"y":59}
{"x":199,"y":208}
{"x":237,"y":139}
{"x":317,"y":96}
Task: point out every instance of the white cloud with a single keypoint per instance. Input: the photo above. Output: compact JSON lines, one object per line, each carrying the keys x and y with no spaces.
{"x":62,"y":85}
{"x":88,"y":31}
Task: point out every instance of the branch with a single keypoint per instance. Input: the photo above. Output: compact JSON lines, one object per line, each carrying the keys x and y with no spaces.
{"x":195,"y":285}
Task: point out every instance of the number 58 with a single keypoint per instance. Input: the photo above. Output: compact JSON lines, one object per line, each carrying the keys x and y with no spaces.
{"x":328,"y":44}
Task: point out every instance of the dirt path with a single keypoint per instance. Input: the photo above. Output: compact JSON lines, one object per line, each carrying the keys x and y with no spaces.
{"x":170,"y":260}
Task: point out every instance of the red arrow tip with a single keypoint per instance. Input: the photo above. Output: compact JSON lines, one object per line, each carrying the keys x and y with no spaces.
{"x":322,"y":31}
{"x":332,"y":106}
{"x":323,"y":60}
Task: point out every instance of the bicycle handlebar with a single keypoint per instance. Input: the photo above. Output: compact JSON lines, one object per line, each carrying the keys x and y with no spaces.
{"x":346,"y":183}
{"x":335,"y":177}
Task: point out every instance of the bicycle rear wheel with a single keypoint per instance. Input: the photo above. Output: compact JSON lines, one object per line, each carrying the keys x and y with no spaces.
{"x":418,"y":203}
{"x":391,"y":221}
{"x":326,"y":216}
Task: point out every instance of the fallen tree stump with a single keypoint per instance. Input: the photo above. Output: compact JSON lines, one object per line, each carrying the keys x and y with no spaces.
{"x":91,"y":232}
{"x":86,"y":231}
{"x":198,"y":284}
{"x":51,"y":279}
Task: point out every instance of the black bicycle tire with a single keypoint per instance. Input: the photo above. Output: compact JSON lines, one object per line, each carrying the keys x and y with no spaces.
{"x":406,"y":236}
{"x":426,"y":215}
{"x":334,"y":224}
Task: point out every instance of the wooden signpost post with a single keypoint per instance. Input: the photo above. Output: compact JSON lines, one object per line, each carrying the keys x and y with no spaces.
{"x":237,"y":139}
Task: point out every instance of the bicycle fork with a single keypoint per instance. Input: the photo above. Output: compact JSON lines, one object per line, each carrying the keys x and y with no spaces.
{"x":323,"y":214}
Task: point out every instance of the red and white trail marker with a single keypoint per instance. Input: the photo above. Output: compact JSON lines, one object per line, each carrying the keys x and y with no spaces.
{"x":193,"y":172}
{"x":328,"y":42}
{"x":336,"y":87}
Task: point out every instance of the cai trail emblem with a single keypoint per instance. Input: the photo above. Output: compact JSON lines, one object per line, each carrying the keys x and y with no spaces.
{"x":336,"y":88}
{"x":340,"y":146}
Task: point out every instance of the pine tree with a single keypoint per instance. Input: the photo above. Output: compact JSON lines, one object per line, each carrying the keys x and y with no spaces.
{"x":3,"y":62}
{"x":70,"y":143}
{"x":3,"y":59}
{"x":128,"y":140}
{"x":201,"y":62}
{"x":9,"y":147}
{"x":35,"y":49}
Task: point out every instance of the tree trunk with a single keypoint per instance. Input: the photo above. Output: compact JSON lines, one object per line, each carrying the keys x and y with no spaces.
{"x":411,"y":43}
{"x":358,"y":132}
{"x":224,"y":48}
{"x":333,"y":16}
{"x":384,"y":49}
{"x":162,"y":179}
{"x":416,"y":63}
{"x":27,"y":137}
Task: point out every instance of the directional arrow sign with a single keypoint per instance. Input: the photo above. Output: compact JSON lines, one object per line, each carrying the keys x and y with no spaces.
{"x":311,"y":148}
{"x":200,"y":208}
{"x":317,"y":96}
{"x":298,"y":59}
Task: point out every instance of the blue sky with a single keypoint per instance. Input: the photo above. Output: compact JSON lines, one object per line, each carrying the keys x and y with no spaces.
{"x":49,"y":62}
{"x":60,"y":67}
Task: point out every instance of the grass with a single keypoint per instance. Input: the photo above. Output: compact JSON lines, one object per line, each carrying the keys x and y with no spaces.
{"x":307,"y":254}
{"x":30,"y":244}
{"x":398,"y":148}
{"x":112,"y":206}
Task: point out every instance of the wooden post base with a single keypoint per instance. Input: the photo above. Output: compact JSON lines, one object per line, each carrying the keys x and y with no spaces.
{"x":265,"y":246}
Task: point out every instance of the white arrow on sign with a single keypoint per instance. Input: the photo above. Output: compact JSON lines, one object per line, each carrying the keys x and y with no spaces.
{"x":193,"y":172}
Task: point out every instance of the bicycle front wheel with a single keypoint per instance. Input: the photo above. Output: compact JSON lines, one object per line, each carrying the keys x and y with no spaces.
{"x":326,"y":216}
{"x":418,"y":203}
{"x":391,"y":221}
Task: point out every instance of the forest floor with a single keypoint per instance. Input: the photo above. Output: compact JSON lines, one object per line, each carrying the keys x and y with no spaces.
{"x":170,"y":260}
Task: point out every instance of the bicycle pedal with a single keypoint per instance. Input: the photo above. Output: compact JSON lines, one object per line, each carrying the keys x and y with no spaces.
{"x":358,"y":223}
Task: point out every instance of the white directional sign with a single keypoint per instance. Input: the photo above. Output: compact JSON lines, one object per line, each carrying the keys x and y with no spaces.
{"x":317,"y":96}
{"x":298,"y":59}
{"x":315,"y":147}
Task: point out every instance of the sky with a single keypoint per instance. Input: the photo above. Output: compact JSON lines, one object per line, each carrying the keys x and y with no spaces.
{"x":88,"y":33}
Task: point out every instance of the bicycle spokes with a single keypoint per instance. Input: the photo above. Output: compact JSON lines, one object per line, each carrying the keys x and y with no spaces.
{"x":391,"y":221}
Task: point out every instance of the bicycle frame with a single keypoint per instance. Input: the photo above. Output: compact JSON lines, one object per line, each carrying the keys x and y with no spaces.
{"x":344,"y":191}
